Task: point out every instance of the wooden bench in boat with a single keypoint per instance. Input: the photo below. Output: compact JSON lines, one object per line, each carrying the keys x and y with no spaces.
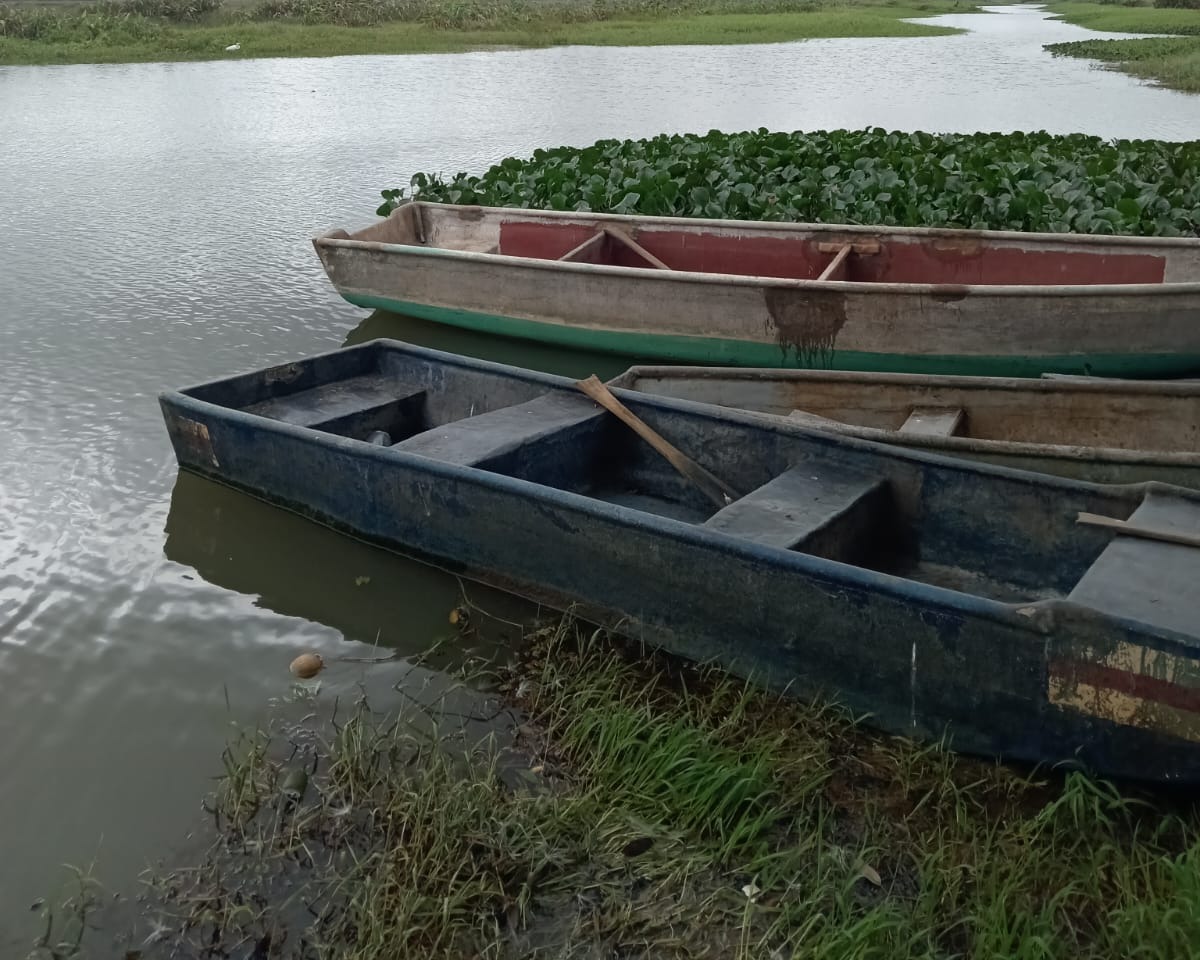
{"x":816,"y":508}
{"x":1148,"y":580}
{"x":922,"y":421}
{"x":483,"y":438}
{"x":352,"y":407}
{"x":934,"y":421}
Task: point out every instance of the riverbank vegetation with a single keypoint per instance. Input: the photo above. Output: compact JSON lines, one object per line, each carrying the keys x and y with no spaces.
{"x":611,"y":802}
{"x":1172,"y":61}
{"x":133,"y":30}
{"x":1018,"y":181}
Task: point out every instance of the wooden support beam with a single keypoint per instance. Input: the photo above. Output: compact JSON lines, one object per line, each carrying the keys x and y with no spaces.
{"x":934,"y":421}
{"x":622,"y":237}
{"x":589,"y":246}
{"x":838,"y":259}
{"x":864,"y":248}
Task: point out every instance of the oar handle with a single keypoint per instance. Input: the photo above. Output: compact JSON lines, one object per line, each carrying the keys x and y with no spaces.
{"x":714,"y":489}
{"x":1134,"y":530}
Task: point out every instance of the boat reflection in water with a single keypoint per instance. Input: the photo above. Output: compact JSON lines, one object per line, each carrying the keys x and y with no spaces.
{"x":297,"y":568}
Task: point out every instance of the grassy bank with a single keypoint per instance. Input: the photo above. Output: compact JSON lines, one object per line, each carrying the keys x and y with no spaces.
{"x":141,"y":30}
{"x":1172,"y":61}
{"x":1133,"y":17}
{"x":626,"y":805}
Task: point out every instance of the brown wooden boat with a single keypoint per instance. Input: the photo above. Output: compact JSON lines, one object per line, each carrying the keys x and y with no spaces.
{"x":1107,"y":431}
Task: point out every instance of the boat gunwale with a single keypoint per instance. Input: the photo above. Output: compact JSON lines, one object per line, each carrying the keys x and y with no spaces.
{"x":1065,"y":384}
{"x":477,"y":211}
{"x":956,"y":291}
{"x":982,"y":445}
{"x":1039,"y":617}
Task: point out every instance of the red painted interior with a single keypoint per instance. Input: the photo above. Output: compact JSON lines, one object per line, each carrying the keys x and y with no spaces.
{"x":930,"y":261}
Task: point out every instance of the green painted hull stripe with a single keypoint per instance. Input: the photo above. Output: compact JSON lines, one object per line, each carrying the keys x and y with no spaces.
{"x":748,"y":353}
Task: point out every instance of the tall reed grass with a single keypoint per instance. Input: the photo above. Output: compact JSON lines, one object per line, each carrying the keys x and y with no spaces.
{"x":613,"y":802}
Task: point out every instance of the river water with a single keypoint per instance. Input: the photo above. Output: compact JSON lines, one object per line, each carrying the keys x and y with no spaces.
{"x":153,"y":233}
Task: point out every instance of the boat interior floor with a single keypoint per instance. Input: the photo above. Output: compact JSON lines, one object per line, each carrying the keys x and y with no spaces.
{"x":824,"y":505}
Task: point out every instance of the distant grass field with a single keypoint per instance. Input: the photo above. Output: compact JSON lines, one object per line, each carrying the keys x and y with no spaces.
{"x":141,"y":30}
{"x":1170,"y":61}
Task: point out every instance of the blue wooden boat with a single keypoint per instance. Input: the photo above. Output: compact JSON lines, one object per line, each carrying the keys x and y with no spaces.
{"x":938,"y":595}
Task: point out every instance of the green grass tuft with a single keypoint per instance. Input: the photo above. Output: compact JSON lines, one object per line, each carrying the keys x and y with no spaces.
{"x":624,"y":804}
{"x":1169,"y":61}
{"x":1137,"y":18}
{"x":1172,"y":61}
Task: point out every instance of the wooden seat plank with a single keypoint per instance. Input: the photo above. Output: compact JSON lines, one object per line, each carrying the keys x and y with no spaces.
{"x":814,"y":508}
{"x":1148,"y":580}
{"x":814,"y":420}
{"x":484,"y":437}
{"x":934,"y":421}
{"x":335,"y":401}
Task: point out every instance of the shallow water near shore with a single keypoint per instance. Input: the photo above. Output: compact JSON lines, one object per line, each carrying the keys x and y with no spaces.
{"x":153,"y":234}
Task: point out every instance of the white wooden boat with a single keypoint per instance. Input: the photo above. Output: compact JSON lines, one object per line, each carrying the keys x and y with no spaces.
{"x":785,"y":294}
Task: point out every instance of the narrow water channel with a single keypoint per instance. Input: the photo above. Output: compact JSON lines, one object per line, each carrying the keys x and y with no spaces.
{"x":153,"y":233}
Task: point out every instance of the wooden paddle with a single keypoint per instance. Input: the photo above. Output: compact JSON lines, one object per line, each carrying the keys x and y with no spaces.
{"x":713,"y":488}
{"x":1133,"y":530}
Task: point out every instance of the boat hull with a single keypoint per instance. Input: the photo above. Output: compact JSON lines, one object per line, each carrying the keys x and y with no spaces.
{"x":1123,"y":330}
{"x":921,"y":660}
{"x":1101,"y":432}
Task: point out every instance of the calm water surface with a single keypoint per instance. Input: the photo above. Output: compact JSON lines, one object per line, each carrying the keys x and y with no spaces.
{"x":153,"y":233}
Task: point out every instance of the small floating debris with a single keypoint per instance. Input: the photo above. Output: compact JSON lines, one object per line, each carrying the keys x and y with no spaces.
{"x":295,"y":784}
{"x":307,"y":665}
{"x":460,"y":617}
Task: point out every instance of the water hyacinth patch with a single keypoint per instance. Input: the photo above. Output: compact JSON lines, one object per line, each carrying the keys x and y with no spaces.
{"x":1014,"y":181}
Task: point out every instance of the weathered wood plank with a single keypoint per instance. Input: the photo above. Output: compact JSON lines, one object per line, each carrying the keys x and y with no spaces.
{"x":814,"y":419}
{"x":817,"y":509}
{"x":838,"y":260}
{"x":622,"y":237}
{"x":333,"y":401}
{"x":934,"y":421}
{"x":863,"y":247}
{"x":1128,"y":528}
{"x":488,"y":435}
{"x":1149,"y":580}
{"x":587,"y":251}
